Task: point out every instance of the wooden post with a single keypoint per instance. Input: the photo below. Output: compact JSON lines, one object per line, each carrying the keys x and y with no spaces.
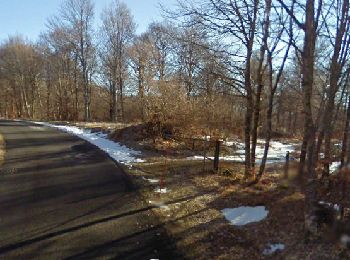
{"x":217,"y":155}
{"x":286,"y":167}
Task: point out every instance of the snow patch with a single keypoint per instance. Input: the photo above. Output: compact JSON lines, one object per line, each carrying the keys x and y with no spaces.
{"x":244,"y":215}
{"x":277,"y":152}
{"x":115,"y":150}
{"x":161,"y":190}
{"x":336,"y":207}
{"x":334,"y":166}
{"x":273,"y":248}
{"x":150,"y":180}
{"x":159,"y":204}
{"x":345,"y":240}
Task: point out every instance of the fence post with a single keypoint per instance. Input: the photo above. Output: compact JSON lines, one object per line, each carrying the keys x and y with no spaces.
{"x":216,"y":156}
{"x":286,"y":167}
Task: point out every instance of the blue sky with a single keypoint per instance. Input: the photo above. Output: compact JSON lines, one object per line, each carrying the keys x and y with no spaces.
{"x":28,"y":17}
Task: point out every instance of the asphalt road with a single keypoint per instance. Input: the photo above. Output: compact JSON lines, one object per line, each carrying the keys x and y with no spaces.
{"x":62,"y":198}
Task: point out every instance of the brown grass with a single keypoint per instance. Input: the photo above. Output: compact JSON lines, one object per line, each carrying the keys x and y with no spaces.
{"x":191,"y":212}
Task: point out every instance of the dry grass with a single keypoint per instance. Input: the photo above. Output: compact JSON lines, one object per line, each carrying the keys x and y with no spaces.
{"x":191,"y":212}
{"x":103,"y":126}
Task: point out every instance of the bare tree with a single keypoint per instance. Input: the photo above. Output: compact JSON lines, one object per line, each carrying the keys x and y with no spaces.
{"x":76,"y":20}
{"x":141,"y":63}
{"x":310,"y":26}
{"x":20,"y":67}
{"x":237,"y":21}
{"x":160,"y":37}
{"x":191,"y":45}
{"x":273,"y":80}
{"x":340,"y":50}
{"x":117,"y":33}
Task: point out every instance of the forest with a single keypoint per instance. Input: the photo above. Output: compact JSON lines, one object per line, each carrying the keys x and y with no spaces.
{"x":254,"y":69}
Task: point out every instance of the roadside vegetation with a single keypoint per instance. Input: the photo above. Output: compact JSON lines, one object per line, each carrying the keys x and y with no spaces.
{"x":263,"y":78}
{"x":190,"y":198}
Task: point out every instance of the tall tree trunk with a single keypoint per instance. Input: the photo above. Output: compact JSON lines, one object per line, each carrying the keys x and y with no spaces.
{"x":76,"y":88}
{"x":114,"y":100}
{"x":344,"y":149}
{"x":86,"y":97}
{"x":267,"y":135}
{"x":121,"y":100}
{"x":141,"y":90}
{"x":249,"y":90}
{"x":260,"y":80}
{"x":319,"y":143}
{"x":248,"y":116}
{"x":308,"y":146}
{"x":48,"y":101}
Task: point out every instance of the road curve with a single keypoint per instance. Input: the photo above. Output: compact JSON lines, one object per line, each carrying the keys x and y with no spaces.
{"x":62,"y":198}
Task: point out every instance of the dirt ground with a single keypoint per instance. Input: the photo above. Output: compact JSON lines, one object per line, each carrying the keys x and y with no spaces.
{"x":191,"y":211}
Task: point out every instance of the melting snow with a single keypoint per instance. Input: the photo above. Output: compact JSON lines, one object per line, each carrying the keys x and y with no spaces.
{"x":277,"y":152}
{"x":159,"y":204}
{"x":345,"y":240}
{"x":161,"y":190}
{"x":150,"y":180}
{"x":244,"y":215}
{"x":336,"y":207}
{"x":117,"y":151}
{"x":334,"y":166}
{"x":272,"y":248}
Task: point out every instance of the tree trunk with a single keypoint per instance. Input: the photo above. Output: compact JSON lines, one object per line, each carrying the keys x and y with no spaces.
{"x":76,"y":88}
{"x":307,"y":151}
{"x":260,"y":80}
{"x":268,"y":135}
{"x":248,"y":117}
{"x":141,"y":90}
{"x":345,"y":137}
{"x":86,"y":98}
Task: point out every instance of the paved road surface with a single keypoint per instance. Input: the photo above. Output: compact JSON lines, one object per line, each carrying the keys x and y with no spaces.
{"x":62,"y":198}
